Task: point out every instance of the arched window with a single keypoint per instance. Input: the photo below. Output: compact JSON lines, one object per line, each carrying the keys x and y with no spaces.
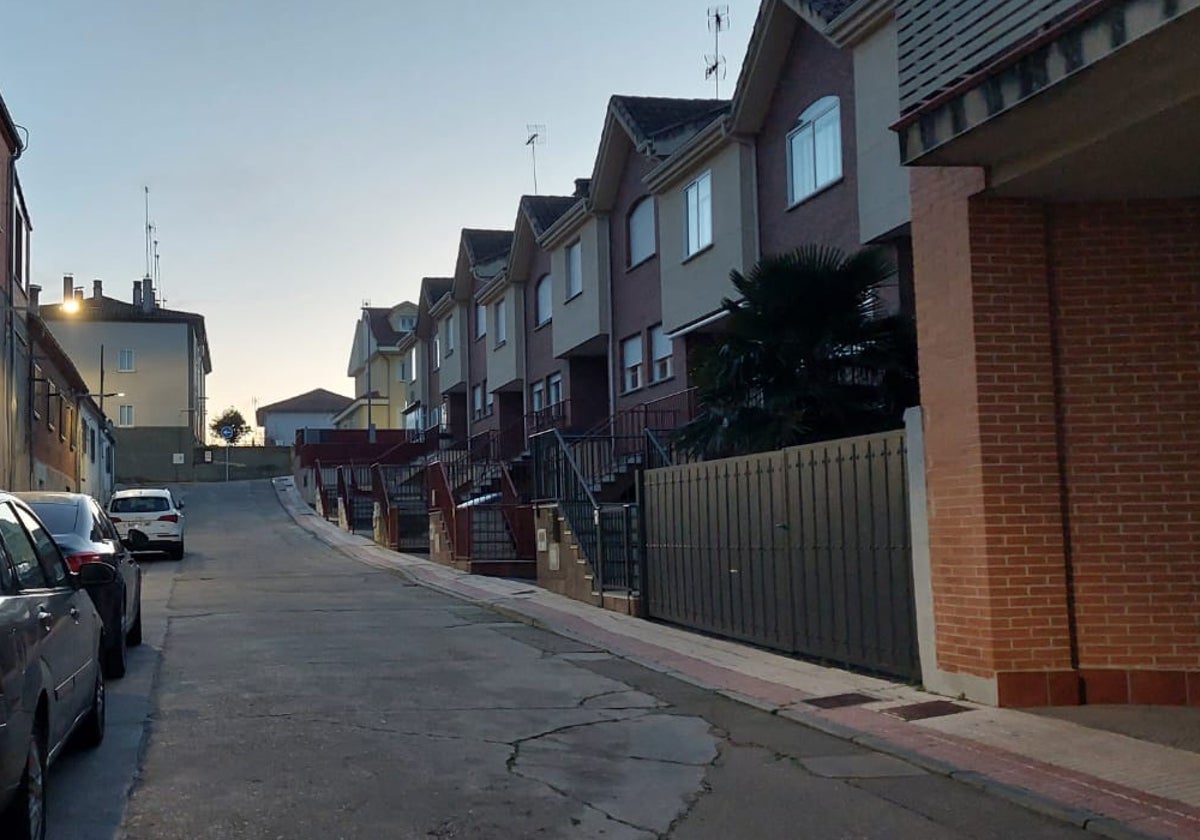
{"x":543,"y":309}
{"x":814,"y":149}
{"x":641,"y":231}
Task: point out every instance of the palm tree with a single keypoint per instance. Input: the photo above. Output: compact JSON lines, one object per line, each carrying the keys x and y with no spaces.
{"x":805,"y":357}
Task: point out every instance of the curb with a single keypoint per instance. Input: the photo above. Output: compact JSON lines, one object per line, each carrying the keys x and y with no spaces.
{"x":1087,"y":820}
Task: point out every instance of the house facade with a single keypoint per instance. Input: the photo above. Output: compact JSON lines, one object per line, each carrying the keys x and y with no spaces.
{"x":147,"y":367}
{"x":316,"y":409}
{"x":380,"y":368}
{"x":1055,"y":227}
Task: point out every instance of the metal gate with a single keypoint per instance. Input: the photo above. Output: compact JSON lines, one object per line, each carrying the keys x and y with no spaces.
{"x":806,"y":550}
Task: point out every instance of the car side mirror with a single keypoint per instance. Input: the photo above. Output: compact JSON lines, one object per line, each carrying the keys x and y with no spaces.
{"x":96,"y":574}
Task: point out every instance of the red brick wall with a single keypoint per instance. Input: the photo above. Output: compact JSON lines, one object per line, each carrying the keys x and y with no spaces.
{"x":1127,"y":279}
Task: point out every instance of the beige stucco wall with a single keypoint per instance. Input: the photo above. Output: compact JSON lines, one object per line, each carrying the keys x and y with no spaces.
{"x":883,"y":202}
{"x":453,"y":370}
{"x":586,"y":315}
{"x":506,"y":363}
{"x":693,"y":288}
{"x":157,"y":388}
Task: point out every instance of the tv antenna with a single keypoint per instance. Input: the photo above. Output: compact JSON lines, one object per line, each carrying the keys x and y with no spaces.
{"x":714,"y":65}
{"x":536,"y":137}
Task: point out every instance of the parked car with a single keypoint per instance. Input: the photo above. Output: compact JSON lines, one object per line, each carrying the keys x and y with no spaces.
{"x":86,"y":535}
{"x":51,"y":682}
{"x":149,"y":519}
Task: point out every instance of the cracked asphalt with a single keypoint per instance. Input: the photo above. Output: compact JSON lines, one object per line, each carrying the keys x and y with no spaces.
{"x":293,"y":693}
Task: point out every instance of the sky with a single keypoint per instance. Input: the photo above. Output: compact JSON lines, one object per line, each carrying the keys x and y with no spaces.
{"x":304,"y":157}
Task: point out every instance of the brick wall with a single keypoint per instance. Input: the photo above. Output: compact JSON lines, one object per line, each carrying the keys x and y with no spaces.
{"x":1059,"y":354}
{"x":1127,"y":281}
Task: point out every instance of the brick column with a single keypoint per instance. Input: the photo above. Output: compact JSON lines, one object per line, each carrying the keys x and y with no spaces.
{"x":997,"y":553}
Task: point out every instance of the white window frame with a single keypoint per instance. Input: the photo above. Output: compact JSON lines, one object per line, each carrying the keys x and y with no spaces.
{"x":554,"y":390}
{"x":500,"y":312}
{"x":574,"y":269}
{"x":125,"y":416}
{"x":537,"y":396}
{"x":126,"y":361}
{"x":480,"y":321}
{"x":544,"y":300}
{"x":477,"y":401}
{"x":631,"y":364}
{"x":661,"y":355}
{"x":698,"y":226}
{"x":489,"y":401}
{"x":437,"y":351}
{"x":448,"y":322}
{"x":820,"y":121}
{"x":640,"y":230}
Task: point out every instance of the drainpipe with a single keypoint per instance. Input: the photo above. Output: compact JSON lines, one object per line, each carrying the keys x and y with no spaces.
{"x":10,"y":315}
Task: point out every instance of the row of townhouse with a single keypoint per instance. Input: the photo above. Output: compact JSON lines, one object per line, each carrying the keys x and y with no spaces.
{"x":56,"y":430}
{"x":1030,"y":166}
{"x":593,"y":303}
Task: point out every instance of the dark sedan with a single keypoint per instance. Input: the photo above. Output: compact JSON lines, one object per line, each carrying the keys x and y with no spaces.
{"x":86,"y":535}
{"x":51,"y":682}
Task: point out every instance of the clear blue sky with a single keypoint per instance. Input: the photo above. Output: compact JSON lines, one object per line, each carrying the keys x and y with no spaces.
{"x":303,"y":156}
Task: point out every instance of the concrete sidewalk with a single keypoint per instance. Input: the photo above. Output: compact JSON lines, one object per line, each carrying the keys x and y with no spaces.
{"x":1108,"y":783}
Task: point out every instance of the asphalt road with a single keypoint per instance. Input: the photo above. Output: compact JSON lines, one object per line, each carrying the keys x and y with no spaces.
{"x":286,"y":691}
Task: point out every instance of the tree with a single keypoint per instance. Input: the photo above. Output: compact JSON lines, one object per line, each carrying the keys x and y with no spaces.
{"x":805,"y":357}
{"x":232,"y":418}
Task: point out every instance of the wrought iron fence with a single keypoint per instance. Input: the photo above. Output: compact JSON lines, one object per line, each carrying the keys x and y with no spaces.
{"x":806,"y":550}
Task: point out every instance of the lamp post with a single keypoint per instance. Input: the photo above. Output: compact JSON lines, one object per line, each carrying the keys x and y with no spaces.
{"x":367,"y":361}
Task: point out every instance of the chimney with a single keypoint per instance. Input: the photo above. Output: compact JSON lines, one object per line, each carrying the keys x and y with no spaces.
{"x":68,"y":287}
{"x":583,"y":186}
{"x":137,"y":293}
{"x":97,"y":289}
{"x":147,"y":294}
{"x":35,"y":298}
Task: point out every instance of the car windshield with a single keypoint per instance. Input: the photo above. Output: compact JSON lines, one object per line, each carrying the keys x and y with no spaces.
{"x":139,"y":504}
{"x":58,"y":517}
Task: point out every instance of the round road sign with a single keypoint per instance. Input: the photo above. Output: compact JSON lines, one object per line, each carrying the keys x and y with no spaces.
{"x":227,"y":432}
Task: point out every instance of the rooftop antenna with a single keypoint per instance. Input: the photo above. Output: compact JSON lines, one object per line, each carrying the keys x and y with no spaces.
{"x":714,"y":65}
{"x":537,"y":137}
{"x":149,"y":229}
{"x":157,"y":274}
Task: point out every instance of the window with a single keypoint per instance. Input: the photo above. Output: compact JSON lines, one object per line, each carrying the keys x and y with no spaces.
{"x":449,"y":324}
{"x":20,"y":244}
{"x":477,"y":400}
{"x":631,"y":362}
{"x":407,"y":323}
{"x":501,"y":326}
{"x":39,"y":390}
{"x":641,"y":232}
{"x":125,"y":416}
{"x":402,"y":371}
{"x":544,"y":308}
{"x":814,"y":149}
{"x":125,"y":361}
{"x":437,"y":352}
{"x":537,"y":396}
{"x":480,"y":320}
{"x":698,"y":196}
{"x":660,"y":352}
{"x":554,"y":389}
{"x":574,"y":270}
{"x":21,"y":550}
{"x":48,"y":555}
{"x":92,"y":444}
{"x":412,"y":365}
{"x":490,"y":405}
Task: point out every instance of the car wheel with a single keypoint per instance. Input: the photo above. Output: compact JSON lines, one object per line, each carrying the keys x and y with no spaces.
{"x":115,"y":660}
{"x":134,"y":637}
{"x":177,"y":552}
{"x":25,"y":816}
{"x":91,"y":730}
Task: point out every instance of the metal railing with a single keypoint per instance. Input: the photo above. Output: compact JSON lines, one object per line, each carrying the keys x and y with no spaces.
{"x":326,"y":479}
{"x":556,"y":416}
{"x":358,"y":500}
{"x":402,"y":496}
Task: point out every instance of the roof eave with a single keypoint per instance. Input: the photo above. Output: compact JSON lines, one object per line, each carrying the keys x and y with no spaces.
{"x":858,"y":21}
{"x":698,"y":149}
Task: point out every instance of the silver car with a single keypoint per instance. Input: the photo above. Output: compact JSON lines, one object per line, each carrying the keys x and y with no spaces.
{"x":51,"y":682}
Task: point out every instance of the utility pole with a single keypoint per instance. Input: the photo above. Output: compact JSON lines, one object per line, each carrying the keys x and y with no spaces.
{"x":367,"y":359}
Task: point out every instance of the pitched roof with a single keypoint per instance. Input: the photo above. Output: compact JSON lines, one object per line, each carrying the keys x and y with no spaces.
{"x":435,"y":288}
{"x":316,"y":401}
{"x":110,"y":309}
{"x":544,"y":210}
{"x":828,"y":9}
{"x":650,"y":118}
{"x":484,"y":246}
{"x":381,"y":327}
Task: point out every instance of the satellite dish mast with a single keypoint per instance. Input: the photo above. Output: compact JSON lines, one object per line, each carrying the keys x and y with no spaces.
{"x":714,"y":65}
{"x":536,"y":136}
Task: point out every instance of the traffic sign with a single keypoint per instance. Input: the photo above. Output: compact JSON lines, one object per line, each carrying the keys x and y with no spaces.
{"x":227,"y":432}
